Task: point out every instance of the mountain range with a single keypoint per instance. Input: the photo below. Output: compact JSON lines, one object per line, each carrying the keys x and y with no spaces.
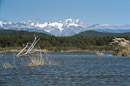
{"x":68,"y":27}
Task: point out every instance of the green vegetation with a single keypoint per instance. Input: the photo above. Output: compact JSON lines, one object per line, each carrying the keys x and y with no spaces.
{"x":92,"y":33}
{"x":14,"y":32}
{"x":15,"y":41}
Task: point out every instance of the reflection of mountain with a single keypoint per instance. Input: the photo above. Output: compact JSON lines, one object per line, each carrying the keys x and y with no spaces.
{"x":69,"y":27}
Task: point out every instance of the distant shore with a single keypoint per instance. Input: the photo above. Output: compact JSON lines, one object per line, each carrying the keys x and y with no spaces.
{"x":45,"y":50}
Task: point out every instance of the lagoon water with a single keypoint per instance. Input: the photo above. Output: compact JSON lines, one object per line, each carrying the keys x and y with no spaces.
{"x":74,"y":69}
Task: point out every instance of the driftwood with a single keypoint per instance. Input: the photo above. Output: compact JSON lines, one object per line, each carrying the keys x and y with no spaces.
{"x":28,"y":50}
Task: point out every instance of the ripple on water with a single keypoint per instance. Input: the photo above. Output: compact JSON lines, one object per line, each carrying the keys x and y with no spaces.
{"x":73,"y":70}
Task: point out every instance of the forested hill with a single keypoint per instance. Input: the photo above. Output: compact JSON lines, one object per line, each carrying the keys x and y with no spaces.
{"x":91,"y":33}
{"x":24,"y":33}
{"x":15,"y":39}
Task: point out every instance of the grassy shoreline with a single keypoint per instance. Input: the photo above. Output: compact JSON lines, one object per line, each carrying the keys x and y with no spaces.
{"x":45,"y":50}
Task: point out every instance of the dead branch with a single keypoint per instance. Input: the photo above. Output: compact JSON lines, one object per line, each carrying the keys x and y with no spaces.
{"x":29,"y":50}
{"x":22,"y":50}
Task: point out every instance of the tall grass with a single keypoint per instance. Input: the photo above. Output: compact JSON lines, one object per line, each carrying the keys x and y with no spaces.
{"x":36,"y":62}
{"x":2,"y":55}
{"x":36,"y":57}
{"x":7,"y":66}
{"x":40,"y":61}
{"x":100,"y":54}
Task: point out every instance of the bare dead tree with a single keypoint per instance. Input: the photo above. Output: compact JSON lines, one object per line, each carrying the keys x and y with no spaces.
{"x":27,"y":50}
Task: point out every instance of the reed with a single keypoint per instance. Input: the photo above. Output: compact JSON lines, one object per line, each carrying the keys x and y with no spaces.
{"x":2,"y":55}
{"x":36,"y":62}
{"x":100,"y":54}
{"x":36,"y":57}
{"x":40,"y":62}
{"x":52,"y":63}
{"x":7,"y":66}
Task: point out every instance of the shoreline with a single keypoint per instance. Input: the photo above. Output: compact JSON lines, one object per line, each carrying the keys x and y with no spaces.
{"x":45,"y":50}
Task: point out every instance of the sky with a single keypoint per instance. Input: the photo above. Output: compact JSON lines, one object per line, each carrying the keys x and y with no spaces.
{"x":88,"y":11}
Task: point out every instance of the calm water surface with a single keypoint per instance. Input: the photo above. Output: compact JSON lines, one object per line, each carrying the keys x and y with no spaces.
{"x":74,"y":69}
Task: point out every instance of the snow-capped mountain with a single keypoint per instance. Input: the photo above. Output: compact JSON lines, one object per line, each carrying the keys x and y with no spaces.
{"x":67,"y":27}
{"x":24,"y":25}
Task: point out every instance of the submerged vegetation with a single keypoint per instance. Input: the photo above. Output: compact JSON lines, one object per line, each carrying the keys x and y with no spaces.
{"x":7,"y":66}
{"x":40,"y":61}
{"x":36,"y":62}
{"x":100,"y":54}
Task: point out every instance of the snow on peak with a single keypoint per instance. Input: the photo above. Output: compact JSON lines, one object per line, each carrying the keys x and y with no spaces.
{"x":73,"y":23}
{"x":58,"y":25}
{"x":26,"y":22}
{"x":42,"y":25}
{"x":69,"y":20}
{"x":77,"y":20}
{"x":30,"y":24}
{"x":67,"y":27}
{"x":3,"y":23}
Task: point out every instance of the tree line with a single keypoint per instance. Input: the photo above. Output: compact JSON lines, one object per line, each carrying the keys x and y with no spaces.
{"x":58,"y":43}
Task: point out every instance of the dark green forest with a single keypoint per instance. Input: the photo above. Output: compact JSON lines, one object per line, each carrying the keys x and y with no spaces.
{"x":19,"y":38}
{"x":91,"y":33}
